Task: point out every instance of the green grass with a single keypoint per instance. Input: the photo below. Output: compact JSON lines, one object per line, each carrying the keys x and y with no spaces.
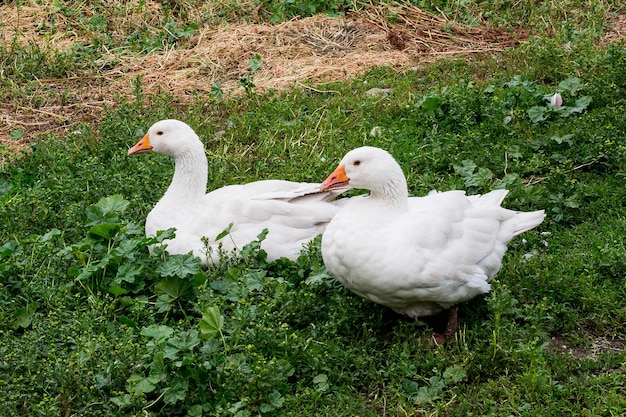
{"x":91,"y":325}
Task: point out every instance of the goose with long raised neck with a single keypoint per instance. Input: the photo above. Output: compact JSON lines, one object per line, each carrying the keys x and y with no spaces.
{"x":292,"y":212}
{"x":416,"y":255}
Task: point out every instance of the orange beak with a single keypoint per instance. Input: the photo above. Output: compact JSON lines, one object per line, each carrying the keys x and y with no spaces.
{"x":142,"y":146}
{"x":337,"y":179}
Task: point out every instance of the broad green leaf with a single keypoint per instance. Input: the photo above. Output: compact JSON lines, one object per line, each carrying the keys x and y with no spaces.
{"x":16,"y":134}
{"x":106,"y":210}
{"x":571,"y":85}
{"x":254,"y":280}
{"x":185,"y":340}
{"x":425,"y":395}
{"x":157,"y":331}
{"x":127,"y":321}
{"x":514,"y":152}
{"x":127,"y":248}
{"x":116,"y":290}
{"x":454,"y":374}
{"x":430,"y":104}
{"x":515,"y":81}
{"x":163,"y":303}
{"x":188,"y":31}
{"x":12,"y":247}
{"x":179,"y":266}
{"x":318,"y":278}
{"x":466,"y":169}
{"x":437,"y":383}
{"x":232,"y":275}
{"x":23,"y":317}
{"x":126,"y":273}
{"x":580,"y":105}
{"x":507,"y":181}
{"x":483,"y":176}
{"x":176,"y":391}
{"x":88,"y":271}
{"x":141,"y":384}
{"x":162,"y":235}
{"x":266,"y":408}
{"x":158,"y":369}
{"x":221,"y":285}
{"x":134,"y":229}
{"x":216,"y":90}
{"x":321,"y":380}
{"x":102,"y":380}
{"x":105,"y":230}
{"x":224,"y":232}
{"x":261,"y":236}
{"x":173,"y":287}
{"x":114,"y":203}
{"x":473,"y":179}
{"x":49,"y":235}
{"x":563,"y":139}
{"x":195,"y":411}
{"x":171,"y":352}
{"x":179,"y":344}
{"x":211,"y":322}
{"x":256,"y":63}
{"x":537,"y":113}
{"x":95,"y":215}
{"x":5,"y":186}
{"x":122,"y":401}
{"x":410,"y":387}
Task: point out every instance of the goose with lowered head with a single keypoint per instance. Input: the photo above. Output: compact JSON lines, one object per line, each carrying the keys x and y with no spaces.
{"x":416,"y":255}
{"x":292,"y":212}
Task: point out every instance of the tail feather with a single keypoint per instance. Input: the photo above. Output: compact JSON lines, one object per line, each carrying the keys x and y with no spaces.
{"x":528,"y":220}
{"x":524,"y":221}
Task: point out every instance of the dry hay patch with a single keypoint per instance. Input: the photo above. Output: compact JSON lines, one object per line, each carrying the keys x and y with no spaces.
{"x":317,"y":49}
{"x":616,"y":29}
{"x":312,"y":50}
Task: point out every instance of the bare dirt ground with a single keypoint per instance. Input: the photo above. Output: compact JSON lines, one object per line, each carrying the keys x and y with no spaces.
{"x":600,"y":345}
{"x":303,"y":52}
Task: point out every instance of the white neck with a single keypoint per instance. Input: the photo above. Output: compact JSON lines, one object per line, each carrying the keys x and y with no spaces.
{"x":190,"y":176}
{"x":394,"y":192}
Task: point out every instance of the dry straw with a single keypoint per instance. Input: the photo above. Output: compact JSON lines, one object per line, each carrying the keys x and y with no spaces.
{"x":304,"y":52}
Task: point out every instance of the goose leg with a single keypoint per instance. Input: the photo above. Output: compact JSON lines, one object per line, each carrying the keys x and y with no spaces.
{"x":452,"y":327}
{"x":453,"y":322}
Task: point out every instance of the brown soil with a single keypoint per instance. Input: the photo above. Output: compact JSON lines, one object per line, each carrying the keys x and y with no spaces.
{"x":600,"y":345}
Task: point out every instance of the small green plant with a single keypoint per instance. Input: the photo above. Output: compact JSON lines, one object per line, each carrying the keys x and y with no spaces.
{"x":106,"y":257}
{"x":281,"y":10}
{"x":435,"y":387}
{"x":247,"y":82}
{"x":17,"y":134}
{"x":571,"y":86}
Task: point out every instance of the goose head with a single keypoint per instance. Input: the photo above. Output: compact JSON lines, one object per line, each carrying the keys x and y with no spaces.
{"x":369,"y":168}
{"x":168,"y":137}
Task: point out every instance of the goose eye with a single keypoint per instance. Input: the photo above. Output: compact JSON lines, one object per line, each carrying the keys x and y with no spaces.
{"x":356,"y":163}
{"x":159,"y":133}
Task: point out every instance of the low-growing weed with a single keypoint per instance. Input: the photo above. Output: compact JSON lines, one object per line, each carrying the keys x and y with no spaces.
{"x":281,"y":10}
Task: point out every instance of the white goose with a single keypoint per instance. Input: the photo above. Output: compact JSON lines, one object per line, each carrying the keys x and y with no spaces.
{"x":293,"y":213}
{"x":417,"y":255}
